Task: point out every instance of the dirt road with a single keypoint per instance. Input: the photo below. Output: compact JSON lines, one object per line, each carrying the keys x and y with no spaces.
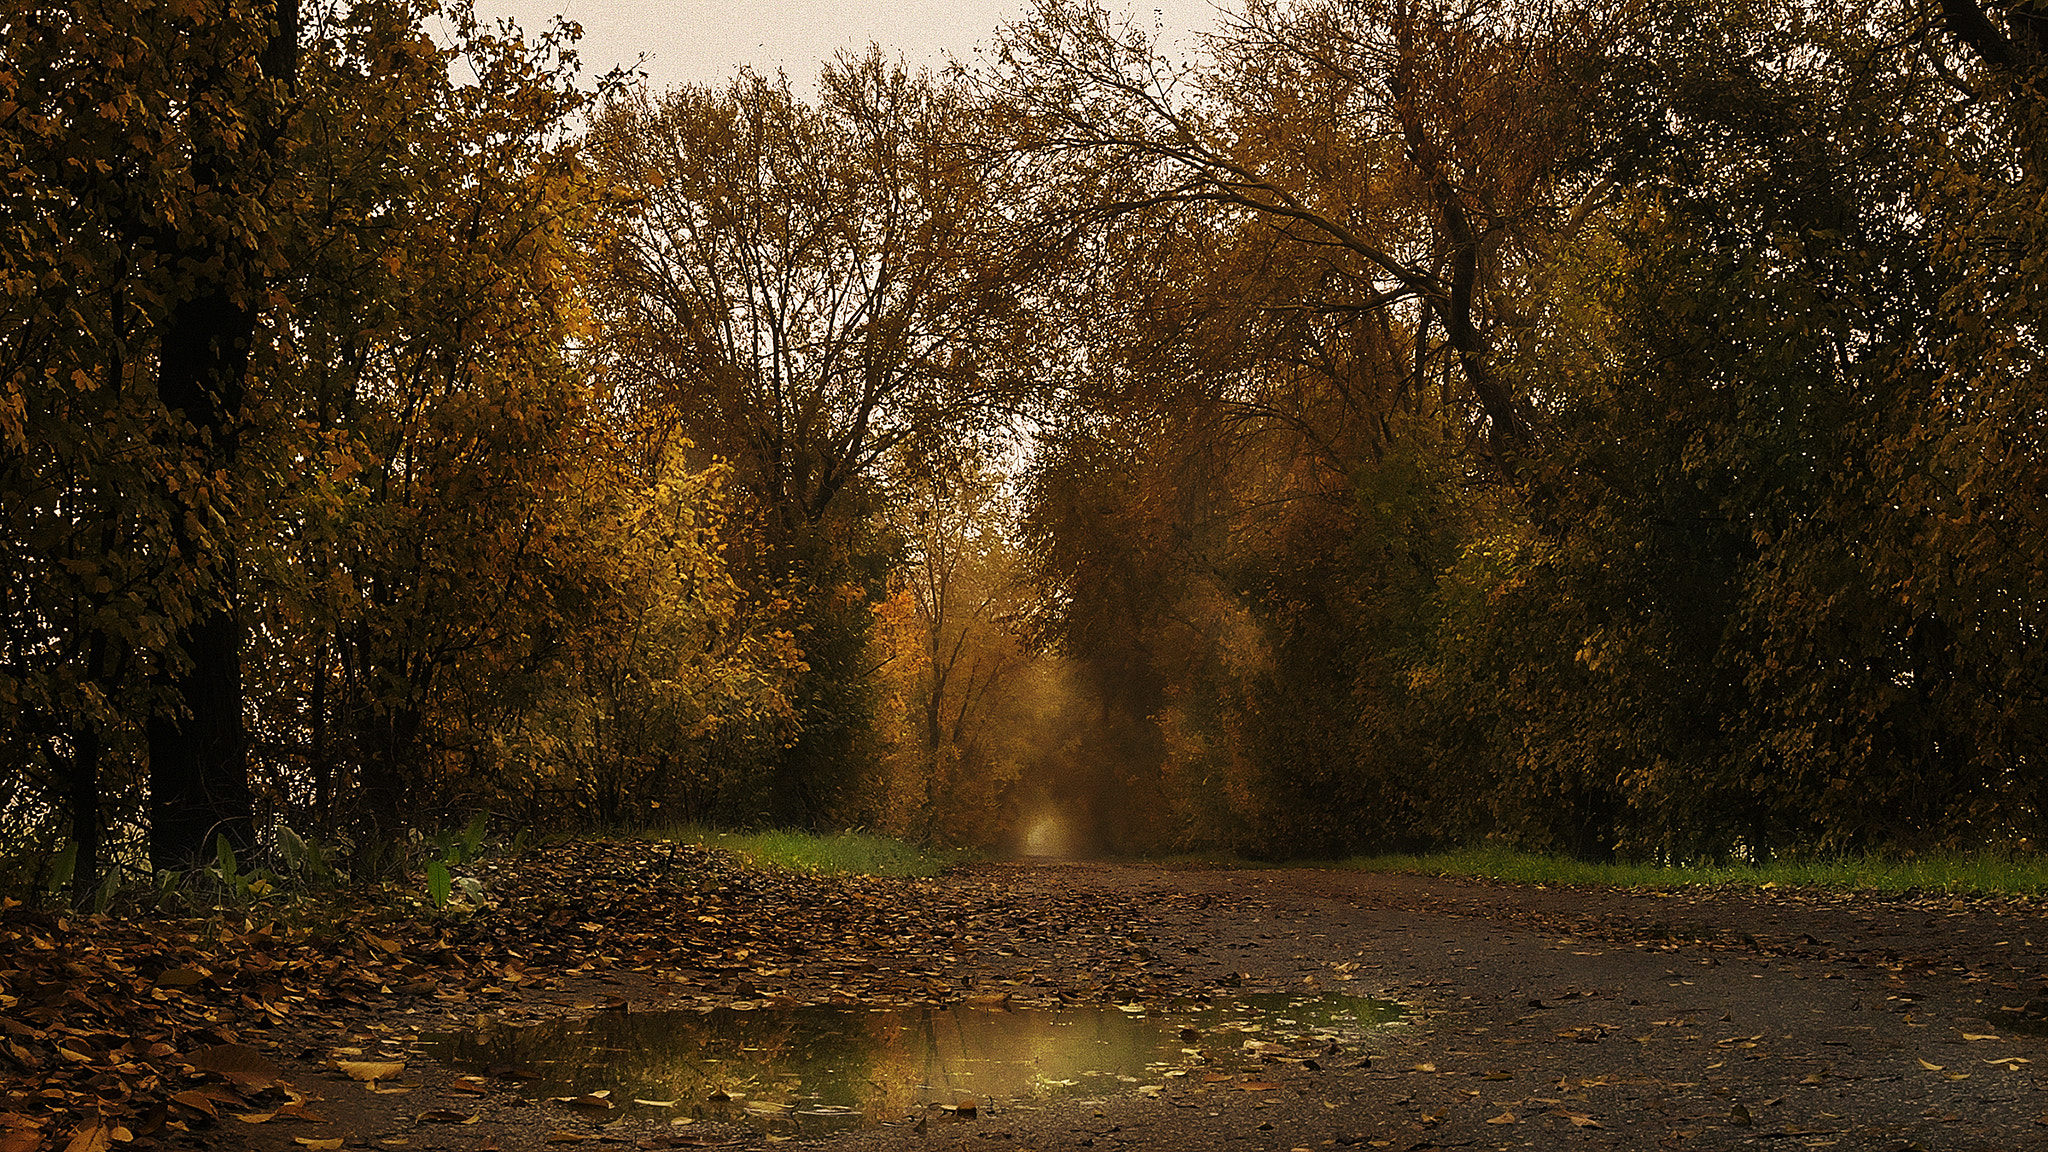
{"x":1544,"y":1018}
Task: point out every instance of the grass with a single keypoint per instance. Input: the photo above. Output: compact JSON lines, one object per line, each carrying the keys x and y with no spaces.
{"x":1986,"y":875}
{"x":837,"y":854}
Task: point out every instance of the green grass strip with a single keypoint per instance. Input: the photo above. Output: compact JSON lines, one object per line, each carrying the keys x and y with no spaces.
{"x":1986,"y":875}
{"x":829,"y":854}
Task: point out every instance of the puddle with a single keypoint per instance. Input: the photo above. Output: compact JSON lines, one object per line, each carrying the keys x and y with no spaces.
{"x":806,"y":1071}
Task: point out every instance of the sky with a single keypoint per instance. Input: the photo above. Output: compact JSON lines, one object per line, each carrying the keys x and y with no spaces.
{"x":705,"y":41}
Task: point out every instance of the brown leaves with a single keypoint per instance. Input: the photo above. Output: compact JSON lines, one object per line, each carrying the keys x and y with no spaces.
{"x":119,"y":1022}
{"x":19,"y":1133}
{"x":119,"y":1019}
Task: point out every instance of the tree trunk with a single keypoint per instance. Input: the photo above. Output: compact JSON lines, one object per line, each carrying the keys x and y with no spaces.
{"x":199,"y":762}
{"x":198,"y":751}
{"x":84,"y":802}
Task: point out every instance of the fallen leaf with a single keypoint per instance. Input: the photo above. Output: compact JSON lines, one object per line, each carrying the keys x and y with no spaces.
{"x":371,"y":1069}
{"x":93,"y":1139}
{"x":566,"y":1138}
{"x":319,"y":1144}
{"x":256,"y":1117}
{"x":1579,"y":1119}
{"x":194,"y":1099}
{"x":1978,"y":1036}
{"x":1931,"y":1067}
{"x":1505,"y":1118}
{"x":237,"y":1063}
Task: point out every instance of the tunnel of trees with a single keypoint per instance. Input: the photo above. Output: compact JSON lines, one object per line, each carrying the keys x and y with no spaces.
{"x":1599,"y":426}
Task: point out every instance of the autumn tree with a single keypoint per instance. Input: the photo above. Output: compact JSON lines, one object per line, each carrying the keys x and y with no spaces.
{"x":806,"y":291}
{"x":307,"y":432}
{"x":433,"y":324}
{"x":1705,"y":305}
{"x":143,"y":149}
{"x":950,"y":650}
{"x":1298,"y":260}
{"x":1725,"y":636}
{"x":666,"y":677}
{"x":1420,"y":157}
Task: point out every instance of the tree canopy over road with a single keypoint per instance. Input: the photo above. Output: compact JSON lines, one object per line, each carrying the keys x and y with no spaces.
{"x":1600,"y":426}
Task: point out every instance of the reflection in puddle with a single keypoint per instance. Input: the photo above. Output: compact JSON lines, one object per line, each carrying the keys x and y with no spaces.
{"x":814,"y":1069}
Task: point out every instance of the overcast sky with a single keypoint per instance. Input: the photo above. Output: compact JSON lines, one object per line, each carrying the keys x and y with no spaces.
{"x":704,"y":41}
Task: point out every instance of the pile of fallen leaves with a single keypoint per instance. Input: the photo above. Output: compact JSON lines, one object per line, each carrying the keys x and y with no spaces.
{"x":122,"y":1033}
{"x":721,"y":930}
{"x":118,"y":1032}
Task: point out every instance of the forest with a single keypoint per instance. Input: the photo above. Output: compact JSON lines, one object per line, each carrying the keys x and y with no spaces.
{"x":1603,"y":427}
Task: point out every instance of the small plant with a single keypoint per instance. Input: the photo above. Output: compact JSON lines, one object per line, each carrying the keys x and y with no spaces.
{"x":62,"y":865}
{"x":452,"y":850}
{"x":307,"y":861}
{"x":458,"y":848}
{"x":238,"y":887}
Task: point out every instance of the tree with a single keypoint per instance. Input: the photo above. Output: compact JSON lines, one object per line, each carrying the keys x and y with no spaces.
{"x":952,"y":657}
{"x":1422,"y":157}
{"x":421,"y":564}
{"x":1754,"y":287}
{"x":288,"y":346}
{"x":805,"y":292}
{"x":142,"y":149}
{"x":666,"y":682}
{"x":1728,"y":635}
{"x":235,"y":106}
